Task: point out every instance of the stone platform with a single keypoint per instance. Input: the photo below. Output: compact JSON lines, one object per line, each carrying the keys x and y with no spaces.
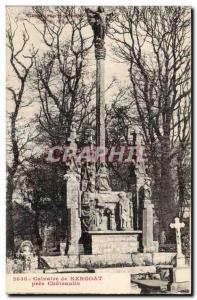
{"x":93,"y":261}
{"x":114,"y":242}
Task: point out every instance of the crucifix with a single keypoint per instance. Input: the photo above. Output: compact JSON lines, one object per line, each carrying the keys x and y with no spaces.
{"x":177,"y":226}
{"x":99,"y":21}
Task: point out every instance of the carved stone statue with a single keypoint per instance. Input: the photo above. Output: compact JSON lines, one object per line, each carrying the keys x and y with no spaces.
{"x":147,"y":188}
{"x":87,"y":175}
{"x":131,"y":213}
{"x":89,"y":216}
{"x":102,"y":179}
{"x":124,"y":211}
{"x":72,"y":166}
{"x":99,"y":22}
{"x":91,"y":172}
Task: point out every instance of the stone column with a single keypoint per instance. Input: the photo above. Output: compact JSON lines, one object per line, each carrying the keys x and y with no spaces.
{"x":147,"y":230}
{"x":72,"y":205}
{"x":100,"y":53}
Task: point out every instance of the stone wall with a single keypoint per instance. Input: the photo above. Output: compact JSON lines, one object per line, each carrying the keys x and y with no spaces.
{"x":114,"y":244}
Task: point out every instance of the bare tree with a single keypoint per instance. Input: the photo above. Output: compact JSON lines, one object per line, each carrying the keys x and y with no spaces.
{"x":156,"y":43}
{"x":181,"y":141}
{"x":17,"y":144}
{"x":65,"y":86}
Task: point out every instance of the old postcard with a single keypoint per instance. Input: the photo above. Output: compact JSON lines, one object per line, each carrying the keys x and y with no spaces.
{"x":98,"y":150}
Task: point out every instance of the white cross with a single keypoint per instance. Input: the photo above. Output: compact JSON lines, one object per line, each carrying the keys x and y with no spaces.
{"x":177,"y":225}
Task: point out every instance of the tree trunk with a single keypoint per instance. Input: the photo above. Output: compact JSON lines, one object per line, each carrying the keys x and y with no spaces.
{"x":167,"y":208}
{"x":10,"y":248}
{"x":36,"y":230}
{"x":181,"y":185}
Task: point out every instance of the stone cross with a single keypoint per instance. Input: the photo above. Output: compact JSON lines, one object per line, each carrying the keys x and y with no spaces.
{"x":177,"y":226}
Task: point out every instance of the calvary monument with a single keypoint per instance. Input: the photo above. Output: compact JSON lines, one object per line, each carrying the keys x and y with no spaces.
{"x":103,"y":222}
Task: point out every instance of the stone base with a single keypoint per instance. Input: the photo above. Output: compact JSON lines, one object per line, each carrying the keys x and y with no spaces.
{"x":73,"y":249}
{"x":182,"y":274}
{"x":113,"y":260}
{"x":105,"y":260}
{"x":181,"y":280}
{"x":142,"y":259}
{"x":113,"y":242}
{"x":180,"y":260}
{"x":151,"y":248}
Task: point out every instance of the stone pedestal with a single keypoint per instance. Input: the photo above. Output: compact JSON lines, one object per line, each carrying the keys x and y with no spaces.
{"x":181,"y":280}
{"x":72,"y":205}
{"x":147,"y":237}
{"x":180,"y":260}
{"x":111,"y":242}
